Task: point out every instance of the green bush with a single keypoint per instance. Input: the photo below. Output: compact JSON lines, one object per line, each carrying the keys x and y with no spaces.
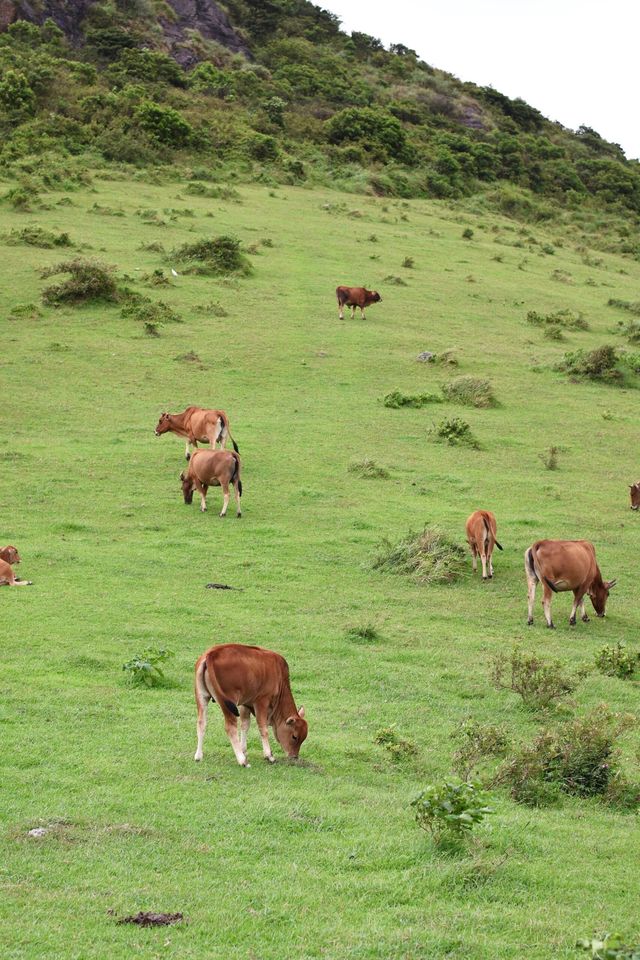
{"x":143,"y":669}
{"x":215,"y":255}
{"x":429,"y":556}
{"x":372,"y":128}
{"x":35,"y":236}
{"x":368,"y":469}
{"x":539,"y":682}
{"x":164,"y":124}
{"x":470,"y":392}
{"x":477,"y":742}
{"x":365,"y":633}
{"x":617,"y":661}
{"x":578,"y":758}
{"x":631,"y":306}
{"x":455,"y":432}
{"x":89,"y":280}
{"x":397,"y":399}
{"x":602,"y":364}
{"x":611,"y":947}
{"x":17,"y":99}
{"x":550,"y":458}
{"x":450,"y":811}
{"x":559,"y":318}
{"x":151,"y":313}
{"x":398,"y":748}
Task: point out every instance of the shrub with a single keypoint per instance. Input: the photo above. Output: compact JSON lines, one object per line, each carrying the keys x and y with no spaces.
{"x":467,"y":233}
{"x":164,"y":124}
{"x":631,"y":306}
{"x":218,"y":255}
{"x":578,"y":758}
{"x":550,"y":458}
{"x":89,"y":280}
{"x":408,"y":263}
{"x":150,"y":313}
{"x":630,"y":330}
{"x":477,"y":742}
{"x":368,"y":469}
{"x":450,"y":810}
{"x":430,"y":556}
{"x":558,"y":318}
{"x":617,"y":661}
{"x":455,"y":432}
{"x":22,"y":197}
{"x":398,"y":748}
{"x":599,"y":364}
{"x":17,"y":99}
{"x":539,"y":682}
{"x":396,"y":399}
{"x":25,"y":311}
{"x":143,"y":669}
{"x":470,"y":392}
{"x":374,"y":129}
{"x":36,"y":236}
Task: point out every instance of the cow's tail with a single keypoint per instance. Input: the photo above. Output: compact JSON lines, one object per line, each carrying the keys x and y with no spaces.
{"x":213,"y":687}
{"x":224,"y":425}
{"x":236,"y":471}
{"x":531,"y":567}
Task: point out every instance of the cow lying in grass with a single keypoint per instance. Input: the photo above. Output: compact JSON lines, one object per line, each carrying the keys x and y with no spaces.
{"x":355,"y":297}
{"x":9,"y":555}
{"x":561,"y":565}
{"x":198,"y":426}
{"x":481,"y":537}
{"x":246,"y":680}
{"x":213,"y":468}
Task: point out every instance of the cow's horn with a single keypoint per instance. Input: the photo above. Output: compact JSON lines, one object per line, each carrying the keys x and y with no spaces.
{"x":611,"y":584}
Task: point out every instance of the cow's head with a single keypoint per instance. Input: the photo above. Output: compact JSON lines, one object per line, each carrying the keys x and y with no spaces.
{"x":187,"y":487}
{"x":599,"y":594}
{"x":376,"y":296}
{"x":634,"y":490}
{"x":164,"y":424}
{"x":10,"y":554}
{"x":292,"y":733}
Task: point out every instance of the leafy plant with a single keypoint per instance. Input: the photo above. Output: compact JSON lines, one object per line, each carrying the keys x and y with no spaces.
{"x":450,"y":810}
{"x":469,"y":391}
{"x":35,"y":236}
{"x":143,"y":669}
{"x":550,"y":458}
{"x":430,"y":556}
{"x":455,"y":432}
{"x":216,"y":255}
{"x":149,"y":312}
{"x":611,"y":947}
{"x":539,"y":682}
{"x":398,"y":747}
{"x":89,"y":280}
{"x":617,"y":661}
{"x":631,"y":306}
{"x":397,"y":399}
{"x":558,"y":318}
{"x":365,"y":633}
{"x":368,"y":469}
{"x":477,"y":742}
{"x":599,"y":364}
{"x":467,"y":233}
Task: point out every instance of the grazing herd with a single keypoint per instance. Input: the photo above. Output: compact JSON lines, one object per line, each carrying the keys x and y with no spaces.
{"x":245,"y":680}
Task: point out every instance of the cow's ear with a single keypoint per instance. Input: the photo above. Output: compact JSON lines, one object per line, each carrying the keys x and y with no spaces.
{"x":182,"y":475}
{"x":301,"y":712}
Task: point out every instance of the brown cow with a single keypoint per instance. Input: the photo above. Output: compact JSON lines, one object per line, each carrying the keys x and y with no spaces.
{"x":213,"y":468}
{"x":566,"y":565}
{"x":9,"y":555}
{"x":198,"y":425}
{"x":355,"y":297}
{"x":245,"y":680}
{"x":481,"y":537}
{"x":634,"y":490}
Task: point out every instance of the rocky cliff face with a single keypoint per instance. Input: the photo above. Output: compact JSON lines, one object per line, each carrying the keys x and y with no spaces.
{"x":203,"y":16}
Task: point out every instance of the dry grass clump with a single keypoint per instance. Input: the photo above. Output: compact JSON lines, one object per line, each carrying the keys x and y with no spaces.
{"x":470,"y":392}
{"x":368,"y":469}
{"x":429,"y":556}
{"x":89,"y":280}
{"x":397,"y":399}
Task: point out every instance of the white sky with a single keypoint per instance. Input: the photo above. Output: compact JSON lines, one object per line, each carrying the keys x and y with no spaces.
{"x":574,"y":60}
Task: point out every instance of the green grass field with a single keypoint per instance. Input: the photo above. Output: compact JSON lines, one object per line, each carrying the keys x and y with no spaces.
{"x":321,"y":859}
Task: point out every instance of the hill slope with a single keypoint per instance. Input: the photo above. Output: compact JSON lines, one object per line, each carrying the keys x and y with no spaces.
{"x":321,"y":859}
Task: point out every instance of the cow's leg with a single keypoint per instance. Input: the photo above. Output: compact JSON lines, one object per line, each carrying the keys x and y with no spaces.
{"x":202,"y":490}
{"x":20,"y":583}
{"x":340,"y":309}
{"x":236,"y":491}
{"x":225,"y":503}
{"x":362,"y":314}
{"x":190,"y":443}
{"x":245,"y":720}
{"x":474,"y":557}
{"x":202,"y":702}
{"x":583,"y":612}
{"x":531,"y":585}
{"x":546,"y":605}
{"x":353,"y":312}
{"x":261,"y":709}
{"x":187,"y":452}
{"x":490,"y":561}
{"x":483,"y":558}
{"x":576,"y":603}
{"x":231,"y":727}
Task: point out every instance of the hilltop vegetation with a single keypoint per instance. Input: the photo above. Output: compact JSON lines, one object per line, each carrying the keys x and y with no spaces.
{"x":293,"y":99}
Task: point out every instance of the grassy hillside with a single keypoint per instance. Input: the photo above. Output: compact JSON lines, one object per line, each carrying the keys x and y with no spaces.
{"x":321,"y":859}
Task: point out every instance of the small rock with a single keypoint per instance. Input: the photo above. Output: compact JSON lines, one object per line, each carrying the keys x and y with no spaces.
{"x":38,"y":832}
{"x":425,"y":356}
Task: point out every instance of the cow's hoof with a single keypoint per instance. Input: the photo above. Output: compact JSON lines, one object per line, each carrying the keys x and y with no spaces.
{"x":222,"y":516}
{"x":198,"y":758}
{"x":572,"y":621}
{"x":551,"y":626}
{"x":270,"y":759}
{"x":187,"y":456}
{"x":585,"y":619}
{"x":530,"y":622}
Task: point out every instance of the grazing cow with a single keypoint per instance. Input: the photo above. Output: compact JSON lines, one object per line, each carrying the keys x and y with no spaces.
{"x":213,"y":468}
{"x":634,"y":489}
{"x":246,"y":680}
{"x":355,"y":297}
{"x":9,"y":555}
{"x":481,"y":537}
{"x":197,"y":425}
{"x":566,"y":565}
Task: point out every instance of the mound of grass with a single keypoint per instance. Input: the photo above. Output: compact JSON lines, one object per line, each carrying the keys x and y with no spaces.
{"x":35,"y":236}
{"x":217,"y":255}
{"x":198,"y":189}
{"x":455,"y":432}
{"x":213,"y":308}
{"x":395,"y":281}
{"x":150,"y":312}
{"x":366,"y":633}
{"x":632,"y":306}
{"x":89,"y":281}
{"x":605,"y":364}
{"x":397,"y":399}
{"x":429,"y":557}
{"x":25,"y":311}
{"x":368,"y":469}
{"x":398,"y":748}
{"x":470,"y":392}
